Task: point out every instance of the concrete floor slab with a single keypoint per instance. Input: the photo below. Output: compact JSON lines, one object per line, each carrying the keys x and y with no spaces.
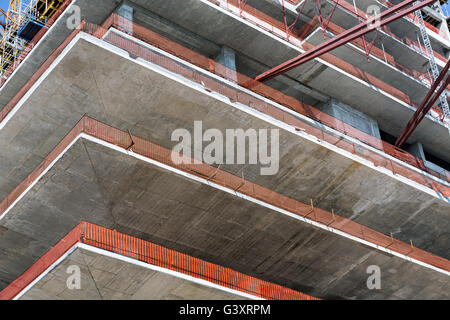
{"x":405,"y":27}
{"x":415,"y":89}
{"x":151,"y":105}
{"x":108,"y":278}
{"x":151,"y":203}
{"x":404,"y":54}
{"x":238,"y":34}
{"x":391,"y":113}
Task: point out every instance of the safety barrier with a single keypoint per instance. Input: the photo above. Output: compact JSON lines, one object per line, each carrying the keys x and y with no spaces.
{"x":153,"y":254}
{"x":234,"y":183}
{"x":412,"y":17}
{"x":314,"y":23}
{"x":278,"y":29}
{"x":411,"y":43}
{"x":234,"y":94}
{"x":387,"y":3}
{"x":239,"y":95}
{"x":335,"y":29}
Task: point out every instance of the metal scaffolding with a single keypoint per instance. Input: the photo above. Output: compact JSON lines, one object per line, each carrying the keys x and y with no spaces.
{"x":24,"y":19}
{"x":430,"y":55}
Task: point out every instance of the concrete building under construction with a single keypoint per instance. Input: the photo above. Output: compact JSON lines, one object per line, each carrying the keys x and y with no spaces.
{"x":92,"y":91}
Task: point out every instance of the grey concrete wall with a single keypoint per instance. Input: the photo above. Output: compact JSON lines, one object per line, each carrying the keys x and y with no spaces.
{"x":417,"y":150}
{"x":120,"y":92}
{"x":227,"y":57}
{"x":352,"y":117}
{"x":106,"y":278}
{"x":95,"y":183}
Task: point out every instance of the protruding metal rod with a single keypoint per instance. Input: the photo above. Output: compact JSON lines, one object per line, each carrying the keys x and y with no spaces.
{"x":425,"y":106}
{"x":347,"y":36}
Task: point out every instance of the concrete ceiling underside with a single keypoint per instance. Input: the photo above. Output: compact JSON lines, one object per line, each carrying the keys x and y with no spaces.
{"x":383,"y":71}
{"x":95,"y":183}
{"x":402,"y":52}
{"x":94,"y":81}
{"x":108,"y":278}
{"x":391,"y":115}
{"x":226,"y":29}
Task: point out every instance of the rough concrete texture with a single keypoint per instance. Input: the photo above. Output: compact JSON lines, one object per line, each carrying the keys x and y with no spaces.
{"x":404,"y":54}
{"x":95,"y":12}
{"x":414,"y":88}
{"x":352,"y":117}
{"x":391,"y":114}
{"x":207,"y":26}
{"x":119,"y":92}
{"x":107,"y":278}
{"x":94,"y":183}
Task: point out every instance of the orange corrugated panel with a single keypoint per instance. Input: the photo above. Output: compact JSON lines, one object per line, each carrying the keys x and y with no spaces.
{"x":139,"y":249}
{"x":41,"y":265}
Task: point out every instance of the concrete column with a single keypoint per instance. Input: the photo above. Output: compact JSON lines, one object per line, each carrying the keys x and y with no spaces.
{"x":352,"y":117}
{"x":416,"y":149}
{"x":227,"y":57}
{"x":126,"y":11}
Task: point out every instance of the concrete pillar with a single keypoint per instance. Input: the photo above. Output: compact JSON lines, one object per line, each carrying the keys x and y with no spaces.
{"x":126,"y":11}
{"x":416,"y":149}
{"x":227,"y":57}
{"x":352,"y":117}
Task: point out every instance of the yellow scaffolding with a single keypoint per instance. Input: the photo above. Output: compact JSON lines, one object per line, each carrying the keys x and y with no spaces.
{"x":20,"y":14}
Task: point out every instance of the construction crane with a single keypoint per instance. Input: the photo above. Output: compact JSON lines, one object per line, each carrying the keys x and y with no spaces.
{"x":23,"y":20}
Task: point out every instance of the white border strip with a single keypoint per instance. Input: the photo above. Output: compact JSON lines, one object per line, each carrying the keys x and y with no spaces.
{"x":250,"y":111}
{"x":49,"y":269}
{"x":224,"y":99}
{"x":232,"y":192}
{"x":126,"y":259}
{"x":168,"y":271}
{"x":281,"y":124}
{"x":224,"y":4}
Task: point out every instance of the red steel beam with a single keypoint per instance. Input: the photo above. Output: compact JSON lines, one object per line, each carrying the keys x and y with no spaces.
{"x":345,"y":37}
{"x":424,"y":107}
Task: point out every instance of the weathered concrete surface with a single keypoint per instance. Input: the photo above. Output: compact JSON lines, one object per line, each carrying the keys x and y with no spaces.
{"x":404,"y":27}
{"x":391,"y":114}
{"x":94,"y":183}
{"x":352,"y":54}
{"x":95,"y":12}
{"x":107,"y":278}
{"x":402,"y":53}
{"x":119,"y":92}
{"x":195,"y":15}
{"x":352,"y":117}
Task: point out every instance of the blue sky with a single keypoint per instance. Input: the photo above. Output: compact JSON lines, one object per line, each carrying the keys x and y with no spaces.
{"x":4,"y":4}
{"x":446,"y":9}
